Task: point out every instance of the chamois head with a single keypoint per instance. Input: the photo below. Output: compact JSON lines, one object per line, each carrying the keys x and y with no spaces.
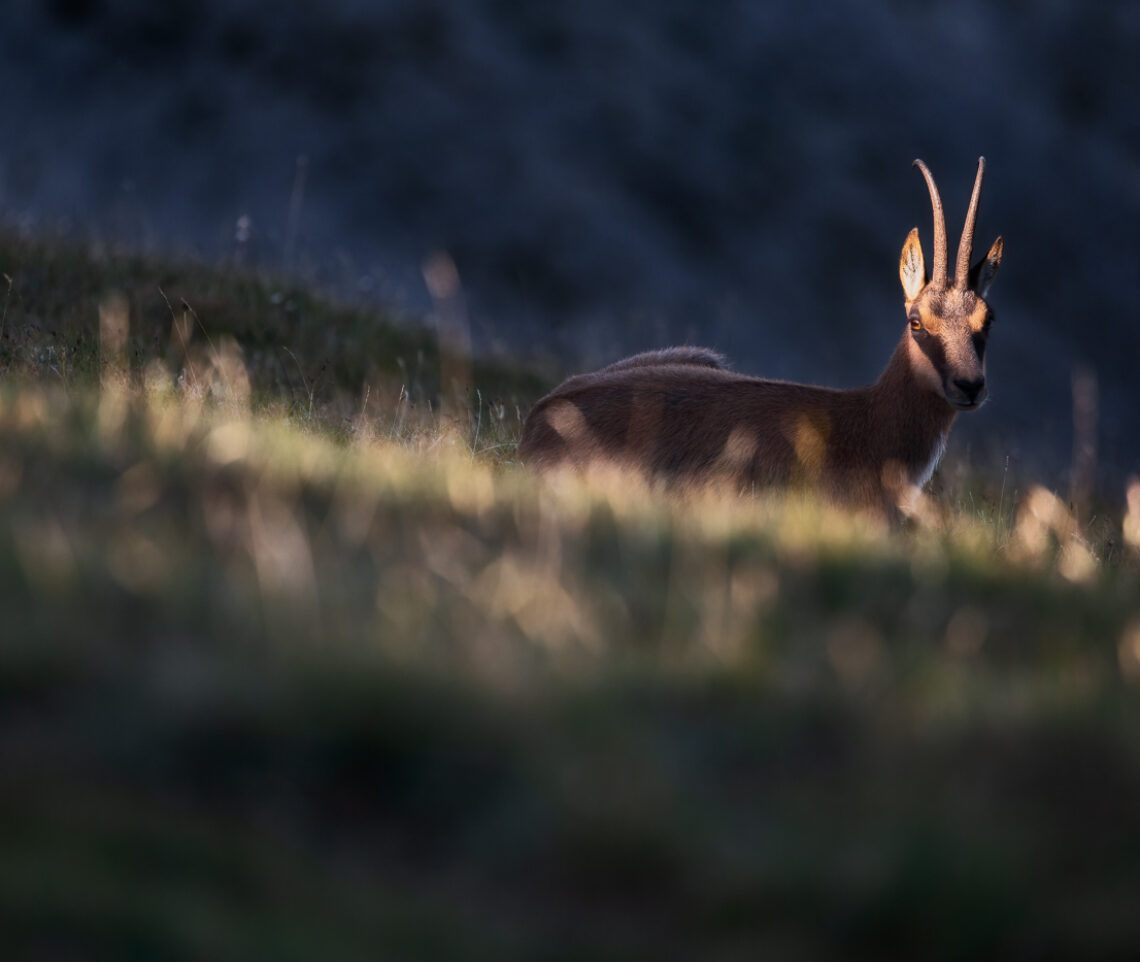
{"x":949,"y":321}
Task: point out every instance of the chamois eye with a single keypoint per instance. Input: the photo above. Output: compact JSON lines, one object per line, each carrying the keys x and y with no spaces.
{"x":915,"y":324}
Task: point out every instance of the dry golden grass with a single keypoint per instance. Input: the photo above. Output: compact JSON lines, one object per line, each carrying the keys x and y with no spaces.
{"x":409,"y":530}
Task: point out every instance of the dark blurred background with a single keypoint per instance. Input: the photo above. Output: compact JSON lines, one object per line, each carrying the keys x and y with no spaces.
{"x":611,"y":177}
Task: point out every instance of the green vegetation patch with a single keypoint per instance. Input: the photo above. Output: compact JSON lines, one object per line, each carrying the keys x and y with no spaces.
{"x":304,"y":356}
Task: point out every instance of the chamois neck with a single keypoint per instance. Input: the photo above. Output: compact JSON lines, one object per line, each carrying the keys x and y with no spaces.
{"x":899,"y":380}
{"x":920,"y":417}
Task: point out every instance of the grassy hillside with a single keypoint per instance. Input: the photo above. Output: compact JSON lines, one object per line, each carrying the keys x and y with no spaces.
{"x":323,"y":364}
{"x":294,"y":666}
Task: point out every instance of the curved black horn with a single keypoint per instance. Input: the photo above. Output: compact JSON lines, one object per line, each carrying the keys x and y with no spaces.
{"x":938,"y":276}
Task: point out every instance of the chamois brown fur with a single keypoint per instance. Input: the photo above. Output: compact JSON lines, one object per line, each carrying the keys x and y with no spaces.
{"x":679,"y":416}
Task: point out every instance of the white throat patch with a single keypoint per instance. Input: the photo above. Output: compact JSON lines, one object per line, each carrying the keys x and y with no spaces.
{"x":924,"y":473}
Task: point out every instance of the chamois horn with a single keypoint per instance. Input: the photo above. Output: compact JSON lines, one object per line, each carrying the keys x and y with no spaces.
{"x":966,"y":244}
{"x":938,"y":277}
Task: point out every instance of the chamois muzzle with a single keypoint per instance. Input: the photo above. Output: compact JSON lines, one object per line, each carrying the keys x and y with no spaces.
{"x":971,"y":392}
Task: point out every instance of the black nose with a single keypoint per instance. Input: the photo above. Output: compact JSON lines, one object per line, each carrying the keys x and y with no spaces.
{"x":970,"y":389}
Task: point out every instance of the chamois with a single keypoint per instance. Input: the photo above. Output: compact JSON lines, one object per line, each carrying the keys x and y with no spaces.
{"x":679,"y":416}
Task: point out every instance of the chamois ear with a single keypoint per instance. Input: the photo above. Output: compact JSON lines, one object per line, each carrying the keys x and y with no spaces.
{"x":912,"y":267}
{"x":982,"y":273}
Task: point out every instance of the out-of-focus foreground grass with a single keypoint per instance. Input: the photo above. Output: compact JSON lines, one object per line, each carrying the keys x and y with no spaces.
{"x":349,"y":684}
